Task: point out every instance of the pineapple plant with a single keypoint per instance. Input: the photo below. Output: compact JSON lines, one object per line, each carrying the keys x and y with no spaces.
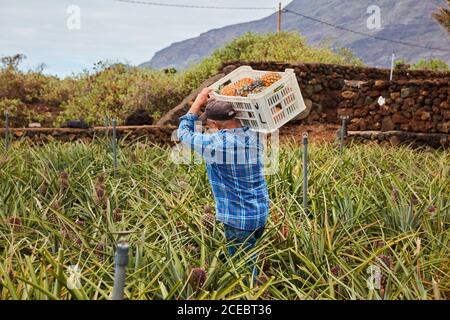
{"x":298,"y":267}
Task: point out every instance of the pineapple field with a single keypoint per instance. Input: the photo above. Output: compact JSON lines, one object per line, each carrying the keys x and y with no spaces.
{"x":377,"y":225}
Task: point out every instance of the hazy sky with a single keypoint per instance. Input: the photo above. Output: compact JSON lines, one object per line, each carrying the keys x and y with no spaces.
{"x":108,"y":29}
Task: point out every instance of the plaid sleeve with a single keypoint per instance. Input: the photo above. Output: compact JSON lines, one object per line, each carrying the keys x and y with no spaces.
{"x":197,"y":141}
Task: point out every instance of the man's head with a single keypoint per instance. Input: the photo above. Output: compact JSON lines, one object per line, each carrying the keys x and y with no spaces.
{"x":220,"y":115}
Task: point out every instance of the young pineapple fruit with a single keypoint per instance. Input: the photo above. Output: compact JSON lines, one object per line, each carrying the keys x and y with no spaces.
{"x":100,"y":190}
{"x":63,"y":181}
{"x":99,"y":251}
{"x":208,"y":221}
{"x":71,"y":236}
{"x":51,"y":215}
{"x":117,"y":215}
{"x":384,"y":261}
{"x":197,"y":278}
{"x":15,"y":223}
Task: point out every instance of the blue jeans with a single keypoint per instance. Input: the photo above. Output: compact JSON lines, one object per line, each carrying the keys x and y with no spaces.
{"x":245,"y":239}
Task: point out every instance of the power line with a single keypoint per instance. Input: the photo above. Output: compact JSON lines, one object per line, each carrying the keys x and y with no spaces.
{"x":194,"y":6}
{"x":160,"y":4}
{"x":366,"y":34}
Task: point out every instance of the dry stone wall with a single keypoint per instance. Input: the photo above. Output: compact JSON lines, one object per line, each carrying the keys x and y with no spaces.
{"x":415,"y":102}
{"x":330,"y":88}
{"x":155,"y":134}
{"x":410,"y":105}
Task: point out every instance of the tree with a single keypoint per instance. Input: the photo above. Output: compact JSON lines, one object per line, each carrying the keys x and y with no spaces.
{"x":12,"y":62}
{"x":443,"y":17}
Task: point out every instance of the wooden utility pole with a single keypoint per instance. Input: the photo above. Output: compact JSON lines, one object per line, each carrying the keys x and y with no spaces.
{"x":279,"y":17}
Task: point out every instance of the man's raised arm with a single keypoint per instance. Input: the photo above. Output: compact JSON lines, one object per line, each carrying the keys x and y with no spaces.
{"x":197,"y":141}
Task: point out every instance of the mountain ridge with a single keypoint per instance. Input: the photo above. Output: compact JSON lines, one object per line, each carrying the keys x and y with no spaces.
{"x":402,"y":20}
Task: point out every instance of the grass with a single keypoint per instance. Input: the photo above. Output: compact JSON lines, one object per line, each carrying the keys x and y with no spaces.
{"x":377,"y":207}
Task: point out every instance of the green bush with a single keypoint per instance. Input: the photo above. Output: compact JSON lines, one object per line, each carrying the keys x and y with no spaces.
{"x":115,"y":89}
{"x":56,"y":91}
{"x":288,"y":47}
{"x":431,"y":64}
{"x":17,"y":110}
{"x":422,"y":64}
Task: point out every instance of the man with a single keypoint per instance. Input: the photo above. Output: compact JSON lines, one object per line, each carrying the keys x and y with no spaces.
{"x":234,"y":162}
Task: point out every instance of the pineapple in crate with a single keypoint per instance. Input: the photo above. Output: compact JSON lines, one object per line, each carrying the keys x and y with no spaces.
{"x":264,"y":100}
{"x":235,"y":89}
{"x":270,"y":78}
{"x":246,"y":86}
{"x":228,"y":90}
{"x":256,"y":86}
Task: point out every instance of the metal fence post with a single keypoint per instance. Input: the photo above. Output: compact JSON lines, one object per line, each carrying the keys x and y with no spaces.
{"x":121,"y":261}
{"x":6,"y":131}
{"x":106,"y":126}
{"x":343,"y":134}
{"x":391,"y":76}
{"x":305,"y":172}
{"x":114,"y":141}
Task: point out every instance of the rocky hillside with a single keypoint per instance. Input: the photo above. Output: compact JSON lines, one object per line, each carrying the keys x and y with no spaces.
{"x":404,"y":20}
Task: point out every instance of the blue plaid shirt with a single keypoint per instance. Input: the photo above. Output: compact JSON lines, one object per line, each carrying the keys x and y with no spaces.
{"x":234,"y":162}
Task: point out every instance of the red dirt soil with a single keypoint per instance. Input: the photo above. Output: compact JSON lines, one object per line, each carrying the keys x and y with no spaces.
{"x":317,"y":132}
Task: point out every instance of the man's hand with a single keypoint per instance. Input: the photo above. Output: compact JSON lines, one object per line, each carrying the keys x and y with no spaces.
{"x":200,"y":101}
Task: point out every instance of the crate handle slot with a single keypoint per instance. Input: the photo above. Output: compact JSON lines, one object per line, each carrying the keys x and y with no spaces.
{"x":260,"y":119}
{"x":279,"y":88}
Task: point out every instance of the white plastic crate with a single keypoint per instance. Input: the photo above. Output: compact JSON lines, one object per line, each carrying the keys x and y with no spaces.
{"x":268,"y":110}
